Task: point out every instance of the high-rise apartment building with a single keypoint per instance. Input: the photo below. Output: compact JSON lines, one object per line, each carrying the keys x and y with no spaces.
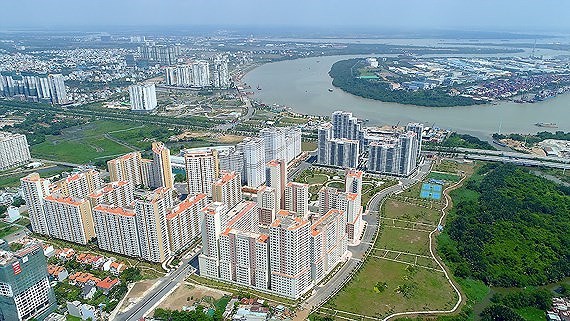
{"x":25,"y":292}
{"x":58,"y":92}
{"x":200,"y":73}
{"x":276,"y":177}
{"x":254,"y":161}
{"x":397,"y":157}
{"x":183,"y":222}
{"x":268,"y":205}
{"x":202,"y":169}
{"x":328,"y":243}
{"x":80,"y":184}
{"x":343,"y":152}
{"x":120,"y":193}
{"x":142,"y":97}
{"x":344,"y":125}
{"x":324,"y":136}
{"x":297,"y":198}
{"x":14,"y":150}
{"x":35,"y":189}
{"x":69,"y":218}
{"x":151,"y":211}
{"x":419,"y":130}
{"x":227,"y":189}
{"x":274,"y":142}
{"x":290,"y":266}
{"x":219,"y":72}
{"x":214,"y":218}
{"x":116,"y":229}
{"x":161,"y":174}
{"x":126,"y":168}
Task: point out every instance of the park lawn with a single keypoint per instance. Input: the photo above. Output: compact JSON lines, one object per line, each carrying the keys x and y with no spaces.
{"x":407,"y":289}
{"x":405,"y":211}
{"x":407,"y":241}
{"x":14,"y":180}
{"x":316,"y":179}
{"x":8,"y":229}
{"x":337,"y":184}
{"x":78,"y":151}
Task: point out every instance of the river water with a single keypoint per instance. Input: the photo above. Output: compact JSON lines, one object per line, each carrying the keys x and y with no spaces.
{"x":303,"y":85}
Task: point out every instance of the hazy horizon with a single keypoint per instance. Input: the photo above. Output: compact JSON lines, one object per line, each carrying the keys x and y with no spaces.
{"x":484,"y":15}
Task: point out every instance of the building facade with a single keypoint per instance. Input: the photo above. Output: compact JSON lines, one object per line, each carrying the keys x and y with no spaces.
{"x":14,"y":150}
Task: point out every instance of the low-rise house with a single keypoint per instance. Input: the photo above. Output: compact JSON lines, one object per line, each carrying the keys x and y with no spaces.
{"x":107,"y":284}
{"x":65,"y":254}
{"x":57,"y":272}
{"x":82,"y":278}
{"x":49,"y":251}
{"x":88,"y":291}
{"x":116,"y":268}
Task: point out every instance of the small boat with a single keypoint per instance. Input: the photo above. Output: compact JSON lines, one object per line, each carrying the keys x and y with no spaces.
{"x":330,"y":90}
{"x":499,"y":143}
{"x":258,"y":88}
{"x":547,"y":125}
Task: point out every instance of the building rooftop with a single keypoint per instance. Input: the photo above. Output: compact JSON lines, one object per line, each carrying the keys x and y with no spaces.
{"x":111,"y":209}
{"x":184,"y":205}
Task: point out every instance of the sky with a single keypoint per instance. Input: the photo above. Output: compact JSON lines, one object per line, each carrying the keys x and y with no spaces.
{"x":494,"y":15}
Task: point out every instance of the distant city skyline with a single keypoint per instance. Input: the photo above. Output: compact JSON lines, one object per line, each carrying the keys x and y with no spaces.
{"x":486,"y":15}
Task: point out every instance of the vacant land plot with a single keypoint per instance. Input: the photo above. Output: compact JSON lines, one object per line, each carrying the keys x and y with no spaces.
{"x":404,"y":240}
{"x":383,"y":287}
{"x":187,"y":294}
{"x":407,"y":211}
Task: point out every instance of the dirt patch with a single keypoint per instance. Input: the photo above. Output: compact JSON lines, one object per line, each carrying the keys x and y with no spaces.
{"x":186,"y":294}
{"x":138,"y":290}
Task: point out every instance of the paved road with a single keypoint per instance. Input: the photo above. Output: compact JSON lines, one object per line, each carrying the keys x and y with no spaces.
{"x":166,"y":283}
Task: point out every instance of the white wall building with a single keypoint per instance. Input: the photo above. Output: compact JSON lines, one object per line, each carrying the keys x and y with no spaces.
{"x":14,"y":150}
{"x":142,"y":97}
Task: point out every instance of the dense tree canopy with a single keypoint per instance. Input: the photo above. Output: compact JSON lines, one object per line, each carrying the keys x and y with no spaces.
{"x":509,"y":228}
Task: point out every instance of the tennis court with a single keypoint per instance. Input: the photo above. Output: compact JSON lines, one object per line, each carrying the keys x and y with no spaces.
{"x":431,"y":191}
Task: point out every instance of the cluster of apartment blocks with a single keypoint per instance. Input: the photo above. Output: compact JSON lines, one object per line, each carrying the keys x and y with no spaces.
{"x":49,"y":88}
{"x":275,"y":243}
{"x":131,"y":215}
{"x":200,"y":73}
{"x":344,"y":142}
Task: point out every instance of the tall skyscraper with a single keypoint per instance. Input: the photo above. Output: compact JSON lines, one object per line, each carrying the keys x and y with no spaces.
{"x":80,"y":184}
{"x":201,"y":170}
{"x":254,"y":161}
{"x":57,"y":89}
{"x":276,"y":177}
{"x":120,"y":193}
{"x":142,"y":97}
{"x":328,"y":243}
{"x":214,"y":218}
{"x":267,"y":204}
{"x":343,"y":152}
{"x":170,"y":76}
{"x":227,"y":189}
{"x":344,"y":125}
{"x":25,"y":292}
{"x":324,"y":136}
{"x":14,"y":150}
{"x":35,"y":189}
{"x":397,"y":157}
{"x":297,"y":198}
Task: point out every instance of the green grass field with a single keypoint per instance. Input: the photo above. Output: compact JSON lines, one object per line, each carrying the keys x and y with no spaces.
{"x":14,"y":179}
{"x":449,"y":178}
{"x":407,"y":286}
{"x":408,"y":241}
{"x":410,"y":212}
{"x":407,"y":289}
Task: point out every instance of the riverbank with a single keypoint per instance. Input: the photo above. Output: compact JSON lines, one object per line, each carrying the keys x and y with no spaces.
{"x":303,"y":85}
